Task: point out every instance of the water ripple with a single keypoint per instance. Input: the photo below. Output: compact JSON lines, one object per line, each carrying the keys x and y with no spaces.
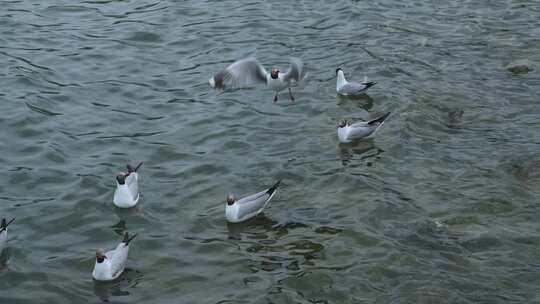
{"x":438,"y":208}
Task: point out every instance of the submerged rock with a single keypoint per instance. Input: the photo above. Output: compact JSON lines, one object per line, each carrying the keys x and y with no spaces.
{"x":519,"y":67}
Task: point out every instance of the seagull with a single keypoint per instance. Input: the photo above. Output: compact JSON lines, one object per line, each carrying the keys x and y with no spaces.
{"x":126,"y":194}
{"x":111,"y":264}
{"x":249,"y":71}
{"x":348,"y":132}
{"x":3,"y":231}
{"x":343,"y":87}
{"x":249,"y":206}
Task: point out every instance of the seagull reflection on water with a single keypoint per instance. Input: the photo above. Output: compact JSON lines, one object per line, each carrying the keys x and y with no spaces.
{"x":124,"y":213}
{"x":258,"y":224}
{"x":365,"y":148}
{"x":105,"y":290}
{"x":118,"y":287}
{"x":4,"y":258}
{"x":363,"y":101}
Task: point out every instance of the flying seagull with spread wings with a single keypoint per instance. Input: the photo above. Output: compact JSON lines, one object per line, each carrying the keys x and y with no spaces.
{"x":249,"y":71}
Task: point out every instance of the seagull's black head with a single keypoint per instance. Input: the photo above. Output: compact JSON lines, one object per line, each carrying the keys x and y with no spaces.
{"x":3,"y":224}
{"x":274,"y":73}
{"x":338,"y":69}
{"x":121,"y":178}
{"x":342,"y":124}
{"x":230,"y":199}
{"x":100,"y":255}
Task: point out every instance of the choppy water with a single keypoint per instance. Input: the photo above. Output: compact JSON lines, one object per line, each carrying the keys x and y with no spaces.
{"x":441,"y":207}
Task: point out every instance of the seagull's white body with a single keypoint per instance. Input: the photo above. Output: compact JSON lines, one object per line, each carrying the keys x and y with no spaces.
{"x":341,"y":81}
{"x":279,"y":84}
{"x":3,"y":232}
{"x":249,"y":206}
{"x":3,"y":239}
{"x":346,"y":88}
{"x":114,"y":263}
{"x":127,"y":195}
{"x":360,"y":130}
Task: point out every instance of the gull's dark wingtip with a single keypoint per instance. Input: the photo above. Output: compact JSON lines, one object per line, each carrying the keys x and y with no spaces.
{"x":128,"y":239}
{"x":380,"y":119}
{"x":273,"y":188}
{"x":369,"y":84}
{"x":4,"y":225}
{"x":131,"y":169}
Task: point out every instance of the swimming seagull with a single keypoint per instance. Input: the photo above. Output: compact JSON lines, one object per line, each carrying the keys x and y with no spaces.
{"x":249,"y":71}
{"x":111,"y":264}
{"x":126,"y":194}
{"x":249,"y":206}
{"x":348,"y":132}
{"x":343,"y":87}
{"x":3,"y":231}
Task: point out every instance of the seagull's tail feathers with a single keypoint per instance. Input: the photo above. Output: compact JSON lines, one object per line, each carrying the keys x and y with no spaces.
{"x":273,"y":188}
{"x":131,"y":169}
{"x":369,"y":84}
{"x":379,"y":120}
{"x":128,"y":239}
{"x":4,"y":225}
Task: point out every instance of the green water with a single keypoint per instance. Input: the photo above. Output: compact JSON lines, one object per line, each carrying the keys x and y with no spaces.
{"x":441,"y":207}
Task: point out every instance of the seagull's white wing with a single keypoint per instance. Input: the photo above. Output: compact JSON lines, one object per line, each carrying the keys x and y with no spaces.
{"x":352,"y":88}
{"x":118,"y":259}
{"x":360,"y":130}
{"x":241,"y":73}
{"x":254,"y":203}
{"x":364,"y":129}
{"x":295,"y":72}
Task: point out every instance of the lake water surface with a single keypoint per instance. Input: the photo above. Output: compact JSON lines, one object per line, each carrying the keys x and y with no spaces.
{"x":441,"y":207}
